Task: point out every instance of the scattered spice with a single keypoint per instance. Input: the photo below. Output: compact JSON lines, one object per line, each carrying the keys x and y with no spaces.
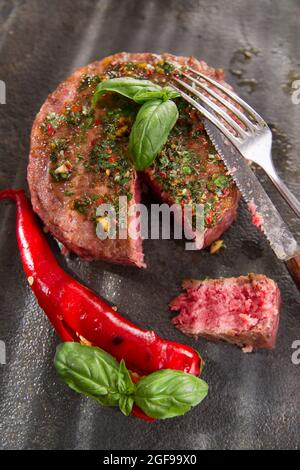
{"x":216,"y":246}
{"x":80,"y":205}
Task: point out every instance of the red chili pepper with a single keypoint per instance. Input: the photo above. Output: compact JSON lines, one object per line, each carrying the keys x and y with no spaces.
{"x":74,"y":310}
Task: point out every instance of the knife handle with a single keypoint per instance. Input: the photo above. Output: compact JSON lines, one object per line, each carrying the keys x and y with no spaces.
{"x":293,"y":266}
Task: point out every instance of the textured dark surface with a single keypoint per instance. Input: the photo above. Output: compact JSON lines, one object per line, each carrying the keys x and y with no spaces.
{"x":254,"y":400}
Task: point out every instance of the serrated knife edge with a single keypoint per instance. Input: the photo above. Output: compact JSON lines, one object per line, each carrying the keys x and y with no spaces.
{"x":276,"y":231}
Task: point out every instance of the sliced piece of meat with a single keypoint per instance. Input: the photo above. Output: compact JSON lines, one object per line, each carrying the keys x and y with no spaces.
{"x":243,"y":310}
{"x":79,"y":158}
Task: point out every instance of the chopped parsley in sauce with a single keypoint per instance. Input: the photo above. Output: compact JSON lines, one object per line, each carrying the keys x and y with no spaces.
{"x":93,"y":143}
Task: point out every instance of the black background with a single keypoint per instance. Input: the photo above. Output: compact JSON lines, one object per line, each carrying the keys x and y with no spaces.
{"x":254,"y":399}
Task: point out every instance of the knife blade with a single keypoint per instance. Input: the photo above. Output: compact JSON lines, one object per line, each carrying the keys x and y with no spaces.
{"x":275,"y":229}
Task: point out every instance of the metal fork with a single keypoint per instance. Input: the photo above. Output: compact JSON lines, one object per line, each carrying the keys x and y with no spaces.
{"x":253,"y":139}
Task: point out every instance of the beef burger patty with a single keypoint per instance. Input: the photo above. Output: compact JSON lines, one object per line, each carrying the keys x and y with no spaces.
{"x":79,"y":158}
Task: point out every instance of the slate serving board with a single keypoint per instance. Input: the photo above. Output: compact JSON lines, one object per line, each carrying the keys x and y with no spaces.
{"x":254,"y":399}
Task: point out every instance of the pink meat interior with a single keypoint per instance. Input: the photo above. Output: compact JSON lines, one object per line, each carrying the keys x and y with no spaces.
{"x":232,"y":305}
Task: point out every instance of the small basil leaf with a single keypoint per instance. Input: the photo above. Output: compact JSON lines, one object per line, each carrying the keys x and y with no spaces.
{"x":170,"y":93}
{"x":126,"y":404}
{"x":142,"y":96}
{"x":168,"y":393}
{"x":150,"y":131}
{"x":164,"y":94}
{"x":88,"y":370}
{"x":125,"y":86}
{"x":125,"y":384}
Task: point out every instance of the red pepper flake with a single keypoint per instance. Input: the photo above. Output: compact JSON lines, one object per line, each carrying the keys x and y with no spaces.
{"x":68,"y":165}
{"x":200,"y":127}
{"x":193,"y":114}
{"x":209,"y":217}
{"x":162,"y":174}
{"x":97,"y":122}
{"x":112,"y":159}
{"x":50,"y":129}
{"x":99,"y":200}
{"x":76,"y":108}
{"x":94,"y":141}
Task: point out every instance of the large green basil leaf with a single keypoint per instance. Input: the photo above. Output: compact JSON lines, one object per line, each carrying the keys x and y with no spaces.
{"x":150,"y":131}
{"x":168,"y":393}
{"x":89,"y":370}
{"x":125,"y":86}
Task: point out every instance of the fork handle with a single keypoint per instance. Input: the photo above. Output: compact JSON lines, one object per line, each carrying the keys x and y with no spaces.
{"x":283,"y":189}
{"x":293,"y":266}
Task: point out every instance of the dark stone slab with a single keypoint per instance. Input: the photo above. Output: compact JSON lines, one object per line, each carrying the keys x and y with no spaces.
{"x":254,"y":399}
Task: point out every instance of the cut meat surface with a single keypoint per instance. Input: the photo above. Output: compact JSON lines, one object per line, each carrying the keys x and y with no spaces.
{"x":243,"y":311}
{"x":79,"y":158}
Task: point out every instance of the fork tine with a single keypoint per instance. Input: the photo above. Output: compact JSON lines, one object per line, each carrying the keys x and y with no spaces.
{"x":209,"y":116}
{"x":215,"y":108}
{"x":242,"y":117}
{"x":233,"y":96}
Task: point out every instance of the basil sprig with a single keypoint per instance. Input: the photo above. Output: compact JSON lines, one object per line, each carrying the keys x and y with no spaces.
{"x":95,"y":373}
{"x":155,"y":119}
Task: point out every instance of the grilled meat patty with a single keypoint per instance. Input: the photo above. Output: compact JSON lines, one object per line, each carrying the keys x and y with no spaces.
{"x":79,"y":158}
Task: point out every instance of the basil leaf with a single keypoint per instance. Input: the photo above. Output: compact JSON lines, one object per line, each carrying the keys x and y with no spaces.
{"x":125,"y":86}
{"x":164,"y":94}
{"x":90,"y":371}
{"x":150,"y":131}
{"x":125,"y":384}
{"x":126,"y":404}
{"x":168,"y":393}
{"x":171,"y":93}
{"x":95,"y":373}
